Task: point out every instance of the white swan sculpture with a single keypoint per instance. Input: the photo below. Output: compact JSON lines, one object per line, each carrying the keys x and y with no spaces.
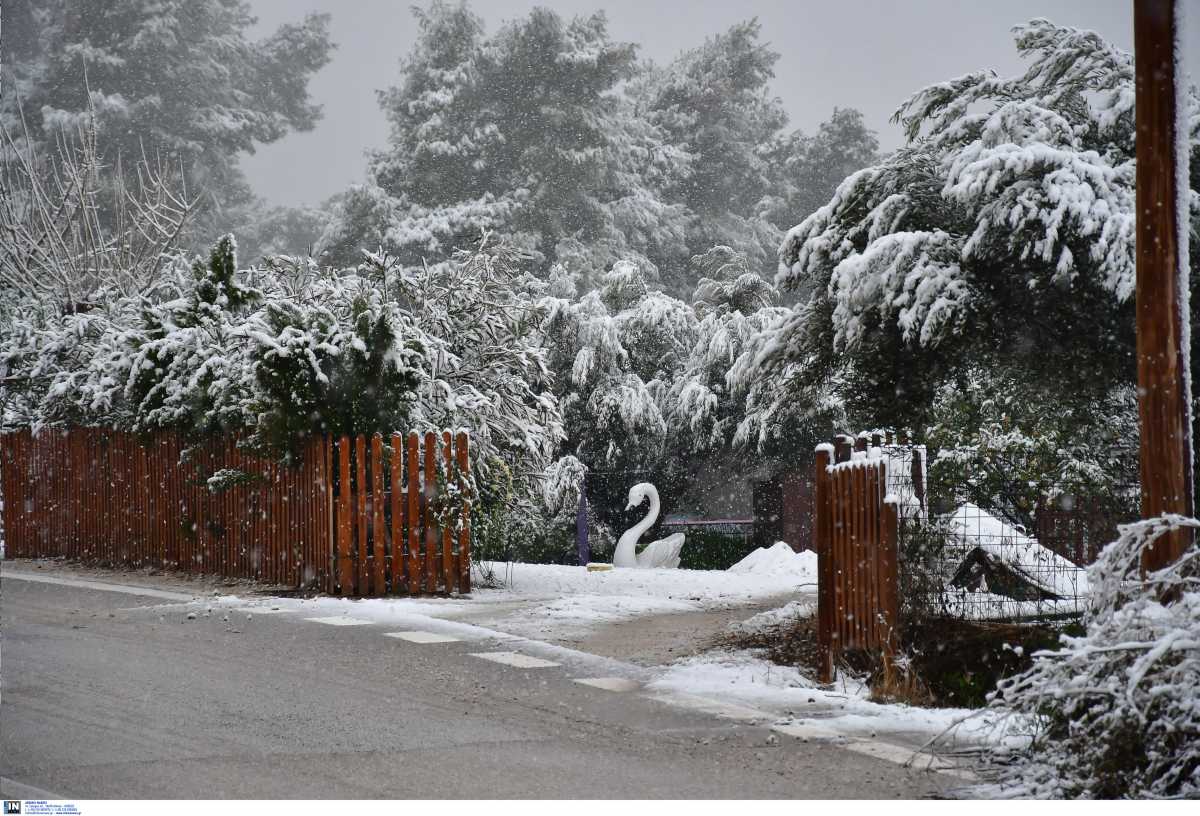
{"x":661,"y":553}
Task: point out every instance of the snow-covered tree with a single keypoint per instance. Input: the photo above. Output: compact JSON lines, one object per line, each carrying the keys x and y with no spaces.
{"x":614,"y":352}
{"x":713,"y":103}
{"x":281,"y":352}
{"x":998,"y":240}
{"x":810,"y":168}
{"x":1001,"y":445}
{"x":171,"y":79}
{"x":65,"y":242}
{"x":733,"y":304}
{"x":523,"y":133}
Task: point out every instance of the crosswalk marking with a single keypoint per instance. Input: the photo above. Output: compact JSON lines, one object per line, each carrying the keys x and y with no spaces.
{"x":343,"y":621}
{"x":422,"y":637}
{"x":617,"y":684}
{"x":516,"y":659}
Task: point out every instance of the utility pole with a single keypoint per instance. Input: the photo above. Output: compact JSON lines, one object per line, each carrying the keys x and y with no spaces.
{"x":1164,"y":379}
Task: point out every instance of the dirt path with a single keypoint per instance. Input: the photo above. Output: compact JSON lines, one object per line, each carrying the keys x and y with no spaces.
{"x":656,"y":640}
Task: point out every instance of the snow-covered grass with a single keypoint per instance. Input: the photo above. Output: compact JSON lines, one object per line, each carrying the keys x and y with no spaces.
{"x":843,"y":708}
{"x":763,"y":573}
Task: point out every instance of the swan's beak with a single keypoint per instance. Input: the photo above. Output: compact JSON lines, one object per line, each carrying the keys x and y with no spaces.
{"x":630,"y":506}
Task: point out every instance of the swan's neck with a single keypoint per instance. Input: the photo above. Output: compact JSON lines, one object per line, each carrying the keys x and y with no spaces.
{"x":628,"y":541}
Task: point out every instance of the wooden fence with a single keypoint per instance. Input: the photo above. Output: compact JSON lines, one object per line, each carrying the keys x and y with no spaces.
{"x":342,"y":517}
{"x":855,"y":533}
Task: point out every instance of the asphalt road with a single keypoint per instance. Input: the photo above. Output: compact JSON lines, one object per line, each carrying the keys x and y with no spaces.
{"x":107,"y":694}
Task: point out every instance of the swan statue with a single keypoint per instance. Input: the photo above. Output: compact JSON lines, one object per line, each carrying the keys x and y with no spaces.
{"x":661,"y":553}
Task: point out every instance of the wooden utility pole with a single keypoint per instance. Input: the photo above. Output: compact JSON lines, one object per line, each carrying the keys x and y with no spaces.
{"x":1164,"y":382}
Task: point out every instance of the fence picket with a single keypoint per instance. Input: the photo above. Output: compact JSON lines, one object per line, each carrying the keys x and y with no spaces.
{"x":379,"y":567}
{"x":397,"y":474}
{"x":431,"y":535}
{"x":449,"y":572}
{"x":415,"y":584}
{"x":462,"y":451}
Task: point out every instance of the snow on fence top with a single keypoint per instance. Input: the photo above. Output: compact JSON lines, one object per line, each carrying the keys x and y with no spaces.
{"x":902,"y":489}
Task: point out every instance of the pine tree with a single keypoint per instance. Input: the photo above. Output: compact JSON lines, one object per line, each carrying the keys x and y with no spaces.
{"x":713,"y":103}
{"x":173,"y":78}
{"x":523,"y":133}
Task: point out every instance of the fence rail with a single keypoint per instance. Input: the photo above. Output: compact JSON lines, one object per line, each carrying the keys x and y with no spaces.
{"x":341,"y":517}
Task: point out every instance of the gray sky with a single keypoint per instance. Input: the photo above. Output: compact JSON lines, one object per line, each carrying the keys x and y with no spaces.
{"x":865,"y":54}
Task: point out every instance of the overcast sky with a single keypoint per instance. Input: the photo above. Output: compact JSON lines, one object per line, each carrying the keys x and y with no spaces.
{"x":865,"y":54}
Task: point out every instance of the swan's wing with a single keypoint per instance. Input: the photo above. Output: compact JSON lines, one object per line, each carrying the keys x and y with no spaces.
{"x":662,"y":553}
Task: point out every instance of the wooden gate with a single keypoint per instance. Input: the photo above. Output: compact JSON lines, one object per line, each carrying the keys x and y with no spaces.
{"x":855,"y":533}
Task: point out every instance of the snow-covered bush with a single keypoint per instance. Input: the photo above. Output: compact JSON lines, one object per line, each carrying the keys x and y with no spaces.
{"x":340,"y":357}
{"x":1114,"y":712}
{"x":1004,"y":444}
{"x":287,"y":350}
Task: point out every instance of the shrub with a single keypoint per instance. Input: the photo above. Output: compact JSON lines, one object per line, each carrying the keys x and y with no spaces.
{"x":1113,"y":713}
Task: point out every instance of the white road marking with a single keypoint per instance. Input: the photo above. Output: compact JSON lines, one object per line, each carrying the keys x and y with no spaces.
{"x":717,"y":708}
{"x":617,"y":684}
{"x":259,"y":610}
{"x":343,"y":621}
{"x":422,"y":637}
{"x":7,"y":574}
{"x":906,"y":756}
{"x":517,"y":659}
{"x":897,"y":754}
{"x":807,"y":731}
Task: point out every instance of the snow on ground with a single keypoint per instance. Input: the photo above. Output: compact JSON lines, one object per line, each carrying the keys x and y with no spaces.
{"x":844,"y":708}
{"x":549,"y":601}
{"x":788,"y":613}
{"x":557,"y":600}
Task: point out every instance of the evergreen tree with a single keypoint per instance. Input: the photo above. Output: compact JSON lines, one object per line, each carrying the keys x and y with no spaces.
{"x":810,"y":168}
{"x":713,"y":103}
{"x":174,"y":78}
{"x":523,"y":133}
{"x":996,"y":247}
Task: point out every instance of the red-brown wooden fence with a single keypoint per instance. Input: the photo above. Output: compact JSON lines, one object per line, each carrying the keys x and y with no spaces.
{"x":341,"y":517}
{"x":855,"y":534}
{"x":385,"y":531}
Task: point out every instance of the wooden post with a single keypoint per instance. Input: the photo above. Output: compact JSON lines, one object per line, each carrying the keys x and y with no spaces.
{"x":842,"y":447}
{"x":1164,"y":381}
{"x":823,"y":534}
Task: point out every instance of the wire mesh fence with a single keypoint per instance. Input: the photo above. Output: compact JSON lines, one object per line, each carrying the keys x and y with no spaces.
{"x":969,"y":550}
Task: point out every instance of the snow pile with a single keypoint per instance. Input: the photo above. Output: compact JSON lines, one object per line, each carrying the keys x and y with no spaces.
{"x":779,"y":560}
{"x":1115,"y":712}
